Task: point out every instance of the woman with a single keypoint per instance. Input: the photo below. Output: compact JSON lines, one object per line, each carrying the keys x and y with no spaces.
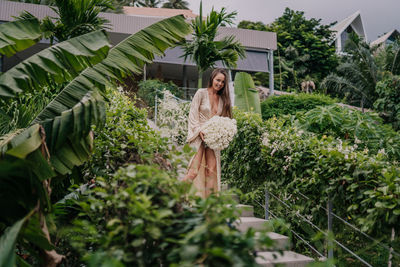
{"x":205,"y":166}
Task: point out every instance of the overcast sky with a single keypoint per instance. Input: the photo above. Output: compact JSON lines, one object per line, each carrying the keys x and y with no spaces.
{"x":379,"y":16}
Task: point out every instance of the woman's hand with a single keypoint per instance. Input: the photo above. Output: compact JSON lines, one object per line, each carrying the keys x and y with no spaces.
{"x":201,"y":136}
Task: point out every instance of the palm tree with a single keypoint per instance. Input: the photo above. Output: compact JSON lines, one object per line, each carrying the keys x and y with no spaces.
{"x":149,"y":3}
{"x":357,"y":74}
{"x":176,"y":4}
{"x":59,"y":137}
{"x":204,"y":50}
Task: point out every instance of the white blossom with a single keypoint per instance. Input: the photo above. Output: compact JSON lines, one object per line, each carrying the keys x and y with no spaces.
{"x":219,"y":132}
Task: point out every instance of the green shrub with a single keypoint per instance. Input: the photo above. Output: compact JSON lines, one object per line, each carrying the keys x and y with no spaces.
{"x":293,"y":162}
{"x":125,"y":138}
{"x":242,"y":160}
{"x":365,"y":130}
{"x":143,"y":217}
{"x":388,"y":101}
{"x":150,"y":88}
{"x":290,"y":104}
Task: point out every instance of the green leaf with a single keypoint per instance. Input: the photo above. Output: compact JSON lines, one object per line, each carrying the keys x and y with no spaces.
{"x":18,"y":35}
{"x":8,"y":242}
{"x":246,"y":97}
{"x":58,"y":63}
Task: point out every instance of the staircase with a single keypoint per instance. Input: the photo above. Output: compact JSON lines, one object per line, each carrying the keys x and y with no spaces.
{"x":282,"y":256}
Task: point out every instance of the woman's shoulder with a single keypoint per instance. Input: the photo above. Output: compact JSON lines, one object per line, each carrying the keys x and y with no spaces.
{"x":201,"y":92}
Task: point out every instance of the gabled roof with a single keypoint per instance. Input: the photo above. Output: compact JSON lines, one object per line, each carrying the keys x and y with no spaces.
{"x":355,"y":21}
{"x":124,"y":24}
{"x":157,"y":12}
{"x":386,"y":36}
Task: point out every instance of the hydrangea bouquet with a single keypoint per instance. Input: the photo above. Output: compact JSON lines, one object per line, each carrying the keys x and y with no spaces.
{"x":219,"y":132}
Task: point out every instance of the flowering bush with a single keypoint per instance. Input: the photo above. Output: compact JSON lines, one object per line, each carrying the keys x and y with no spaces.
{"x":219,"y":132}
{"x":172,"y":118}
{"x":306,"y":169}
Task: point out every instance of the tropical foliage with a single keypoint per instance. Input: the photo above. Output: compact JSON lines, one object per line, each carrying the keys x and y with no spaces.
{"x":149,"y":89}
{"x":59,"y":137}
{"x":303,"y":48}
{"x":388,"y":91}
{"x":356,"y":76}
{"x":176,"y":4}
{"x":292,"y":103}
{"x":161,"y":214}
{"x":304,"y":169}
{"x":246,"y":96}
{"x":204,"y":50}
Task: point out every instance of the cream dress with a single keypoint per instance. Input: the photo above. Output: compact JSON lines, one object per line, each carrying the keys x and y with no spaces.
{"x":200,"y":112}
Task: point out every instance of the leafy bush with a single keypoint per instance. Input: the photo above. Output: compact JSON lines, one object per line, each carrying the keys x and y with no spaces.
{"x":388,"y":101}
{"x":125,"y":138}
{"x":143,"y":217}
{"x":365,"y":130}
{"x":293,"y":162}
{"x":290,"y":104}
{"x":150,"y":88}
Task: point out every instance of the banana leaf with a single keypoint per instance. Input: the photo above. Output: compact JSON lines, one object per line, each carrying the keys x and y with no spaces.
{"x":59,"y":63}
{"x":18,"y":35}
{"x":246,"y":96}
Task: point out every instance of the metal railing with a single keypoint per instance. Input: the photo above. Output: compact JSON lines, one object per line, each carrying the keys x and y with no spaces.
{"x":329,"y":241}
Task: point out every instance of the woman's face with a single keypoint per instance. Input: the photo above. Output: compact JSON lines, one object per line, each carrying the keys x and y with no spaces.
{"x":218,"y":82}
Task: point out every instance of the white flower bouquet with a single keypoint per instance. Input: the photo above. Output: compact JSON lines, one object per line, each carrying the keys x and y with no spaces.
{"x":219,"y":132}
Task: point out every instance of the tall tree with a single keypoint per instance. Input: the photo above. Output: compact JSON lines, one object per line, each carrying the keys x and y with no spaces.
{"x":309,"y":38}
{"x":176,"y":4}
{"x":204,"y":50}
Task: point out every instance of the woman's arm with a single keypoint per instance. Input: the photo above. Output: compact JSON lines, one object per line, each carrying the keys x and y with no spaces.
{"x":194,"y":118}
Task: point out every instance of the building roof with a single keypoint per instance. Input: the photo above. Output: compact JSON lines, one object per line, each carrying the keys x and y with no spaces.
{"x":355,"y":21}
{"x":157,"y":12}
{"x":129,"y":24}
{"x":384,"y":37}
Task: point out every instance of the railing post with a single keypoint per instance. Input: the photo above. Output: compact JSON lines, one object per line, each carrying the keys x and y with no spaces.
{"x":330,"y":229}
{"x":266,"y":203}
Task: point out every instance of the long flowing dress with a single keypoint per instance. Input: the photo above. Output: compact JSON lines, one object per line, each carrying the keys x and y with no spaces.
{"x":200,"y":112}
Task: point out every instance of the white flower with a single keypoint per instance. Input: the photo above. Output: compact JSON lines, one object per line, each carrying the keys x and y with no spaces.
{"x":219,"y":132}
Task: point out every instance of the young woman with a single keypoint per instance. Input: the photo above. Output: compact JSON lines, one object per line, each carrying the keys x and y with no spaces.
{"x":205,"y":166}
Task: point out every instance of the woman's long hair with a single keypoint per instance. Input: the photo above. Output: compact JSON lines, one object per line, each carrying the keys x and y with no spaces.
{"x":224,"y":92}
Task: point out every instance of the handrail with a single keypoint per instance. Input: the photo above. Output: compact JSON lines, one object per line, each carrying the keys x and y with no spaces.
{"x":316,"y":227}
{"x":296,"y":234}
{"x":320,"y":230}
{"x":355,"y":228}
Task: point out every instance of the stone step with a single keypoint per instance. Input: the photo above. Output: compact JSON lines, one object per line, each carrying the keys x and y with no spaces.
{"x":244,"y":223}
{"x":287,"y":259}
{"x":233,"y":196}
{"x":243,"y":210}
{"x":281,"y":242}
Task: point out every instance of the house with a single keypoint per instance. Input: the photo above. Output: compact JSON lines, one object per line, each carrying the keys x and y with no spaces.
{"x":157,"y":12}
{"x":259,"y":45}
{"x":342,"y":29}
{"x":386,"y":39}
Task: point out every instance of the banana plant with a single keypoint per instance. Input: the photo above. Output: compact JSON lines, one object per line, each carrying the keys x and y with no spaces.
{"x":59,"y":138}
{"x":246,"y":96}
{"x":18,"y":35}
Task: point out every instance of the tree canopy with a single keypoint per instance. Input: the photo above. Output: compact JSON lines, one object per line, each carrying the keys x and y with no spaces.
{"x":304,"y":47}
